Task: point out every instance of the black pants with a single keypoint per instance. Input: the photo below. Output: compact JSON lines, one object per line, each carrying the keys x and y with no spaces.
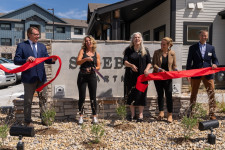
{"x":82,"y":81}
{"x":161,"y":87}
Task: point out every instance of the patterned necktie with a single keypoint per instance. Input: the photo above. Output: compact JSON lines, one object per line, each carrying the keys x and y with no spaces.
{"x":34,"y":50}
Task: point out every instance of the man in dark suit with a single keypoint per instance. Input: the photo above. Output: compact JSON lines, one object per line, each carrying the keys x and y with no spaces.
{"x":202,"y":55}
{"x":33,"y":77}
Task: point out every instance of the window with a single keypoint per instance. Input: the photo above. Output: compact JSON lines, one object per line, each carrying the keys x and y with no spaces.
{"x":60,"y":29}
{"x":159,"y":33}
{"x":19,"y":27}
{"x":49,"y":29}
{"x":6,"y":55}
{"x":5,"y":26}
{"x":78,"y":31}
{"x":6,"y":42}
{"x":17,"y":41}
{"x":191,"y":32}
{"x":146,"y":35}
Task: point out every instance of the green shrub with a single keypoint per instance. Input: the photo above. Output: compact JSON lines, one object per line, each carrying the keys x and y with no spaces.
{"x":221,"y":106}
{"x":188,"y":123}
{"x":98,"y":131}
{"x":198,"y":111}
{"x":122,"y":111}
{"x":48,"y":117}
{"x":3,"y":133}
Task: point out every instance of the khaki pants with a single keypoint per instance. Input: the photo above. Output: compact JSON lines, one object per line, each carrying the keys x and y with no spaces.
{"x":209,"y":85}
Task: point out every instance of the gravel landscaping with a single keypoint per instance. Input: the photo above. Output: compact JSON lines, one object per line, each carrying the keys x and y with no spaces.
{"x":150,"y":134}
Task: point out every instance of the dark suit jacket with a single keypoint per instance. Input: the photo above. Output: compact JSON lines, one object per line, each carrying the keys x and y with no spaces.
{"x":24,"y":51}
{"x":195,"y":60}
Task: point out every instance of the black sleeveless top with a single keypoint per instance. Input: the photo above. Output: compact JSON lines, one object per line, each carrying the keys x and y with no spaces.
{"x":165,"y":63}
{"x":88,"y":64}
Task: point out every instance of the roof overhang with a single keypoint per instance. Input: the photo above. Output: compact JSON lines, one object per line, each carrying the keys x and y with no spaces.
{"x":129,"y":10}
{"x":222,"y":14}
{"x":116,"y":6}
{"x":58,"y":23}
{"x":11,"y":20}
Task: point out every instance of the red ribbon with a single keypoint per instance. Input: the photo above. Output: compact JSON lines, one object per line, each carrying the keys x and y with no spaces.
{"x":175,"y":74}
{"x":29,"y":65}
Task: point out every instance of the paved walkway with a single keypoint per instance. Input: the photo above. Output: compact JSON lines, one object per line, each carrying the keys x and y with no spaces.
{"x":7,"y":95}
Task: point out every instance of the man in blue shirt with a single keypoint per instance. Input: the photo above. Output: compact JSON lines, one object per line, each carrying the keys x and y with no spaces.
{"x":35,"y":76}
{"x":202,"y":55}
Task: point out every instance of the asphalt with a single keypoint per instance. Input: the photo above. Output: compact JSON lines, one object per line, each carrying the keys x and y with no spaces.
{"x":7,"y":95}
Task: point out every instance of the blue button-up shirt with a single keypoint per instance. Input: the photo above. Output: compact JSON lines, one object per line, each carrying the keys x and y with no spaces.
{"x":202,"y":48}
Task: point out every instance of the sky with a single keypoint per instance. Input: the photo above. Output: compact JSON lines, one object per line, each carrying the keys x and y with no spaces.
{"x":73,"y":9}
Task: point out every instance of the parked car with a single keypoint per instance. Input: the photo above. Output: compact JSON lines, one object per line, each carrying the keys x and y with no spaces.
{"x":6,"y":60}
{"x":7,"y":79}
{"x":10,"y":65}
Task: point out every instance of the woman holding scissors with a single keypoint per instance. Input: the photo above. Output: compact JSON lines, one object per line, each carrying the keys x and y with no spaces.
{"x":89,"y":60}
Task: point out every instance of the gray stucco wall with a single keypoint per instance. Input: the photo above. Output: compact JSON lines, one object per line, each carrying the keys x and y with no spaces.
{"x":111,"y":55}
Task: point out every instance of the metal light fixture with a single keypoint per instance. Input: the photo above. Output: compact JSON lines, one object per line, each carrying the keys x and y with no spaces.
{"x":117,"y":14}
{"x":134,"y":9}
{"x":21,"y":131}
{"x":199,"y":5}
{"x":98,"y":17}
{"x":209,"y":125}
{"x":53,"y":18}
{"x":191,"y":5}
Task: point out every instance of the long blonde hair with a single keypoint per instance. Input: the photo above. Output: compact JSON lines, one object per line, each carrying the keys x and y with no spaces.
{"x":143,"y":51}
{"x":92,"y":41}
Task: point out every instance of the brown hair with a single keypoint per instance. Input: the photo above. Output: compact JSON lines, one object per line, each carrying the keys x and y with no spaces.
{"x":92,"y":41}
{"x":169,"y":41}
{"x":29,"y":30}
{"x":201,"y":31}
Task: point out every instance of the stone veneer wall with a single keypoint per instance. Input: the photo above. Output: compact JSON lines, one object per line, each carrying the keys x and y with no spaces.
{"x":8,"y":49}
{"x":67,"y":108}
{"x":48,"y":67}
